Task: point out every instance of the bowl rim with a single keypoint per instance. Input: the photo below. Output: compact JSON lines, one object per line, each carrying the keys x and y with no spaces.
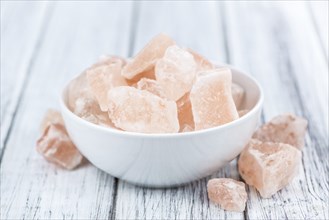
{"x":258,"y":105}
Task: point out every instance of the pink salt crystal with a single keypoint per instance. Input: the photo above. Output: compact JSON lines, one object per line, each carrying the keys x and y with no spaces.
{"x":268,"y":166}
{"x":51,"y":117}
{"x":175,"y":72}
{"x":56,"y":146}
{"x":148,"y":74}
{"x":230,"y":194}
{"x":186,"y":128}
{"x":286,"y":128}
{"x":108,"y":59}
{"x":152,"y":86}
{"x":137,"y":110}
{"x":103,"y":77}
{"x":238,"y":94}
{"x":211,"y":99}
{"x":202,"y":63}
{"x":242,"y":112}
{"x":148,"y":56}
{"x":185,"y":116}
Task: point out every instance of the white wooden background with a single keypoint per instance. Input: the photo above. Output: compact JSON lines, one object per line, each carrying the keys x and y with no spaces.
{"x":43,"y":44}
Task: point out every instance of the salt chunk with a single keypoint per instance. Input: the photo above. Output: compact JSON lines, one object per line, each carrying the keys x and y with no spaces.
{"x":238,"y":94}
{"x":185,"y":116}
{"x":148,"y":74}
{"x":286,"y":128}
{"x":211,"y":99}
{"x":242,"y":112}
{"x":148,"y":56}
{"x":56,"y":146}
{"x":230,"y":194}
{"x":103,"y":77}
{"x":202,"y":63}
{"x":268,"y":167}
{"x":175,"y":72}
{"x":137,"y":110}
{"x":52,"y":116}
{"x":186,"y":128}
{"x":152,"y":86}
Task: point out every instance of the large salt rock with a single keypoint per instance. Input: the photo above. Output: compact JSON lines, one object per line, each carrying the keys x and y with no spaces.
{"x":103,"y":77}
{"x":286,"y":128}
{"x":211,"y":99}
{"x":175,"y":72}
{"x":268,"y":166}
{"x":230,"y":194}
{"x":152,"y":86}
{"x":185,"y":116}
{"x":238,"y":95}
{"x":148,"y":56}
{"x":52,"y":116}
{"x":137,"y":110}
{"x":202,"y":63}
{"x":56,"y":146}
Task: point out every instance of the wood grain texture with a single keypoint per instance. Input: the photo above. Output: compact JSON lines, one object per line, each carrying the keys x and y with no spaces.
{"x":31,"y":188}
{"x":283,"y":57}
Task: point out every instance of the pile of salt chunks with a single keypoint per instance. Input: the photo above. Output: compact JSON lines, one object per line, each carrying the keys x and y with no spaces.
{"x":167,"y":89}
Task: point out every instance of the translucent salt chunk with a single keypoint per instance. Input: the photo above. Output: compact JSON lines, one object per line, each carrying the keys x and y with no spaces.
{"x":137,"y":110}
{"x":175,"y":72}
{"x":202,"y":63}
{"x":211,"y":99}
{"x":148,"y":74}
{"x":103,"y":77}
{"x":56,"y":146}
{"x":230,"y":194}
{"x":238,"y":94}
{"x":148,"y":56}
{"x":268,"y":166}
{"x":52,"y":116}
{"x":152,"y":86}
{"x":286,"y":128}
{"x":185,"y":116}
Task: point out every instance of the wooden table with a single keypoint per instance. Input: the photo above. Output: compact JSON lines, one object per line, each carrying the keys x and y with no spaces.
{"x":284,"y":45}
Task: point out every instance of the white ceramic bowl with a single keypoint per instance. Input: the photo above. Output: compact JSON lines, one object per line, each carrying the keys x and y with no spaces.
{"x":162,"y":160}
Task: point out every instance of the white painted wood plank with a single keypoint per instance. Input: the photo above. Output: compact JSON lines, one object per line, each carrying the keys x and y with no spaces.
{"x":31,"y":188}
{"x":195,"y":25}
{"x":277,"y":43}
{"x":21,"y":28}
{"x":320,"y":14}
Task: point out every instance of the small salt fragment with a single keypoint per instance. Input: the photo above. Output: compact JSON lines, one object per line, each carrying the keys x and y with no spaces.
{"x":268,"y":167}
{"x":56,"y":146}
{"x":52,"y":116}
{"x":148,"y":56}
{"x":230,"y":194}
{"x":286,"y":128}
{"x":186,"y":128}
{"x":238,"y":94}
{"x":137,"y":110}
{"x":184,"y":109}
{"x":211,"y":99}
{"x":152,"y":86}
{"x":175,"y":72}
{"x":243,"y":112}
{"x":104,"y":77}
{"x":202,"y":63}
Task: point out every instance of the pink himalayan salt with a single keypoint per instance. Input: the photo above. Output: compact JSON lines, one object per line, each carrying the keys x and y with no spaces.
{"x":242,"y":112}
{"x":148,"y":56}
{"x":148,"y":74}
{"x":152,"y":86}
{"x":230,"y":194}
{"x":103,"y":77}
{"x":202,"y":63}
{"x":211,"y":99}
{"x":141,"y":111}
{"x":175,"y":72}
{"x":286,"y":128}
{"x":51,"y":117}
{"x":184,"y":109}
{"x":82,"y":102}
{"x":269,"y":167}
{"x":56,"y":146}
{"x":186,"y":128}
{"x":238,"y":94}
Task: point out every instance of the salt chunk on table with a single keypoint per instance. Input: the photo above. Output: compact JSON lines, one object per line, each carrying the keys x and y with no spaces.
{"x":211,"y":99}
{"x":268,"y":166}
{"x":137,"y":110}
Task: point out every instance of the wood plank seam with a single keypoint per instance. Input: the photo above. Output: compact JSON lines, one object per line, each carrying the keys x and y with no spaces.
{"x":27,"y":74}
